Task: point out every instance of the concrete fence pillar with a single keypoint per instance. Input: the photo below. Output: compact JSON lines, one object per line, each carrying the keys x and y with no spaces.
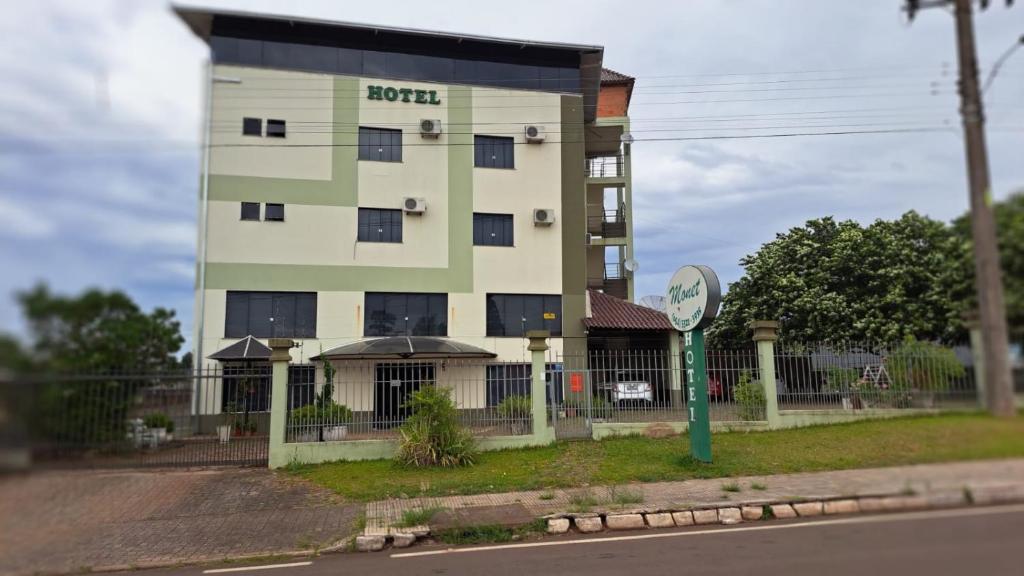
{"x":280,"y":358}
{"x":766,"y":333}
{"x":972,"y":321}
{"x":538,"y":390}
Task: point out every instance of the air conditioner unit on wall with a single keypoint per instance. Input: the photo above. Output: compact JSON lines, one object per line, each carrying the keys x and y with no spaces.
{"x":430,"y":128}
{"x":534,"y":134}
{"x":543,"y":216}
{"x":414,"y":205}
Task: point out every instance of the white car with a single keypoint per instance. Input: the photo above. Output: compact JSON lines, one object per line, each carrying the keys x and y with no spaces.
{"x":628,"y":387}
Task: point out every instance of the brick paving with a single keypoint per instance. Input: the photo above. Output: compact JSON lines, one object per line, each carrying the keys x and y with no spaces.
{"x":924,"y":480}
{"x":70,"y":521}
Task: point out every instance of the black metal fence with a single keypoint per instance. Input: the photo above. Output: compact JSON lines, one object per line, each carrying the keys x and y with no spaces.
{"x":125,"y":419}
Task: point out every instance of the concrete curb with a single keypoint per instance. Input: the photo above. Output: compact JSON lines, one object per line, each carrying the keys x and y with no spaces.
{"x":753,"y":510}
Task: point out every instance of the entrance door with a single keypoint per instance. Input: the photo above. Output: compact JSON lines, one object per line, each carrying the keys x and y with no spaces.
{"x":394,"y":383}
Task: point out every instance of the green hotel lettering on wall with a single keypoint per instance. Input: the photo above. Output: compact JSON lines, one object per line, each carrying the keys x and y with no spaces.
{"x":392,"y":94}
{"x":692,"y":304}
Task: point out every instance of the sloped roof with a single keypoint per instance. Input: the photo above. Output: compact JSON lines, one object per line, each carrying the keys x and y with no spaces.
{"x":609,"y":76}
{"x":248,"y":348}
{"x":610,"y":312}
{"x":396,"y":347}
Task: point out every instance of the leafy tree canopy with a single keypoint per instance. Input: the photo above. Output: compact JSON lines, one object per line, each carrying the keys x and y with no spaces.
{"x":830,"y":280}
{"x":98,"y":330}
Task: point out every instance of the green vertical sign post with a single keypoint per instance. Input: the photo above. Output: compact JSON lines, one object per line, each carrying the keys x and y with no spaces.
{"x":699,"y":420}
{"x":692,"y":302}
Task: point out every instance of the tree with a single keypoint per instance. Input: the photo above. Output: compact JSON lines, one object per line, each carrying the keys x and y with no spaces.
{"x":842,"y":281}
{"x":98,"y":330}
{"x":1010,"y":228}
{"x":13,"y":355}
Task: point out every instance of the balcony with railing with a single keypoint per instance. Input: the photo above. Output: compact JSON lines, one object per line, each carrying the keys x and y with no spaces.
{"x":607,"y":223}
{"x":605,"y":166}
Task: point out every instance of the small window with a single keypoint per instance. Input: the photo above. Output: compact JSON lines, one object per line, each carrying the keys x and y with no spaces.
{"x":492,"y":229}
{"x":493,"y":152}
{"x":275,"y":129}
{"x":380,"y":225}
{"x":380,"y":144}
{"x":250,"y":210}
{"x":252,"y":127}
{"x":274,"y":213}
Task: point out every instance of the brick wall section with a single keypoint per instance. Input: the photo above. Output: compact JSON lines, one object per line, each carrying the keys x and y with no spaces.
{"x":612,"y":101}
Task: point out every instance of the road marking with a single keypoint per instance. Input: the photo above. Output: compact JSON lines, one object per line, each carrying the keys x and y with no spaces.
{"x":263,"y":567}
{"x":902,"y":516}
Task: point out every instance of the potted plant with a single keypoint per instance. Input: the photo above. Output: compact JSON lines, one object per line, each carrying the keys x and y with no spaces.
{"x":160,"y":425}
{"x":313,"y":423}
{"x":224,"y":430}
{"x":922,"y":370}
{"x":334,"y":419}
{"x":842,"y":381}
{"x":516,"y":410}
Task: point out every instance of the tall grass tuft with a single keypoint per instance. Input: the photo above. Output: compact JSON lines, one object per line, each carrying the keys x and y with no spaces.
{"x":433,"y":435}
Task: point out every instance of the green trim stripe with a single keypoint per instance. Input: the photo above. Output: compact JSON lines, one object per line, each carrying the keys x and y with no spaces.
{"x":342,"y":190}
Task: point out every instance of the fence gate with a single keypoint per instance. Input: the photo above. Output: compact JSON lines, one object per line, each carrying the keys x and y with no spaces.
{"x":154,"y":419}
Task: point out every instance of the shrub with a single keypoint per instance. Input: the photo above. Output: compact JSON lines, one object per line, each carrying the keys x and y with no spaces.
{"x":432,"y":435}
{"x":750,"y":398}
{"x":841,"y":379}
{"x":315,"y":415}
{"x":158,"y":420}
{"x":515,"y":407}
{"x":924,"y":366}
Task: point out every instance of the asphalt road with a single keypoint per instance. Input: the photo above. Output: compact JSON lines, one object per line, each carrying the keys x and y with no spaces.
{"x":972,"y":541}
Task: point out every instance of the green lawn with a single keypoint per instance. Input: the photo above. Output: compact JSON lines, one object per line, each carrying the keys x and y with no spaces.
{"x":636,"y":459}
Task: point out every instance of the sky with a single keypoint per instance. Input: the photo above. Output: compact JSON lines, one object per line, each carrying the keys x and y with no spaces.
{"x":102,"y":103}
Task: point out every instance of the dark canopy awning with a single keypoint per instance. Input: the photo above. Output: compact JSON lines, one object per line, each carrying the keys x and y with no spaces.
{"x":248,"y":348}
{"x":402,"y":347}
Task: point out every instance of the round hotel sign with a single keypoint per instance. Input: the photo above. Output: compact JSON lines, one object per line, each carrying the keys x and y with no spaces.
{"x":693,"y":298}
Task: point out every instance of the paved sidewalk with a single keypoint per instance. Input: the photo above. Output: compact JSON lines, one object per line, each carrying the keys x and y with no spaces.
{"x":979,"y":477}
{"x":71,"y":521}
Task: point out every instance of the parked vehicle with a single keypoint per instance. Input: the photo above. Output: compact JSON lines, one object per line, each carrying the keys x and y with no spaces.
{"x":629,"y":387}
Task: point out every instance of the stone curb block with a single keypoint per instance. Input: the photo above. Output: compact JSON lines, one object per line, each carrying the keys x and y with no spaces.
{"x":705,"y":516}
{"x":847,"y":506}
{"x":684,"y":518}
{"x":660,"y":520}
{"x":752,"y":512}
{"x":730,"y":516}
{"x":370,"y":543}
{"x":808,"y":508}
{"x":403,"y":539}
{"x":589,"y":524}
{"x":783,"y":511}
{"x":624,"y":521}
{"x":558,"y":526}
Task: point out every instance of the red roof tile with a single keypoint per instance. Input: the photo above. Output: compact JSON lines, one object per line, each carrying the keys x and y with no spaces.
{"x":614,"y":313}
{"x":609,"y":76}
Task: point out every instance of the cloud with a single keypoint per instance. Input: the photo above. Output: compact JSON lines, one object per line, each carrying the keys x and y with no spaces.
{"x":22,"y":222}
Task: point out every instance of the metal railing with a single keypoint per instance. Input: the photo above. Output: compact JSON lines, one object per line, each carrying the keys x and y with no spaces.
{"x":650,"y":386}
{"x":861,"y":376}
{"x":608,"y":223}
{"x":605,"y":166}
{"x":166,"y":418}
{"x":364,"y":400}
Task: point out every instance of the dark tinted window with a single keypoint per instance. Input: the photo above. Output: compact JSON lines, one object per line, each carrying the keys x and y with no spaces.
{"x":492,"y":229}
{"x":399,"y":314}
{"x":252,"y":126}
{"x":301,"y":385}
{"x":493,"y":152}
{"x":380,"y":144}
{"x":270,"y":314}
{"x":515,"y":314}
{"x":274,"y":213}
{"x":246,"y":388}
{"x":504,"y":380}
{"x":380,"y":225}
{"x":275,"y":129}
{"x":555,"y":77}
{"x":250,"y":210}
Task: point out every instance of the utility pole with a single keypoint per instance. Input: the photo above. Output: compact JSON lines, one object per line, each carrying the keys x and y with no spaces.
{"x":987,"y":270}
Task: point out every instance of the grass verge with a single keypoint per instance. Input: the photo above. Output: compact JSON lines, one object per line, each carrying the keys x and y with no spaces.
{"x":620,"y":461}
{"x":488,"y":534}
